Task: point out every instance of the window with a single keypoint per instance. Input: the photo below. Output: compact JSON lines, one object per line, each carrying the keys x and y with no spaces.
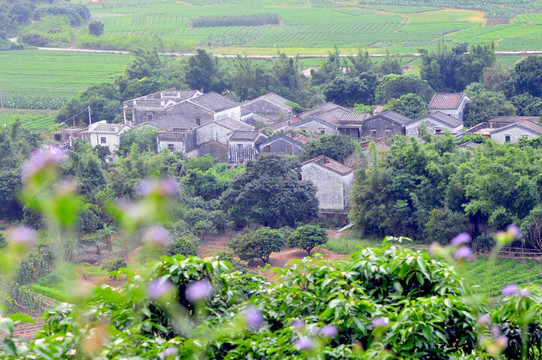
{"x":267,"y":148}
{"x":102,"y":140}
{"x":524,"y":137}
{"x":239,"y":147}
{"x":198,"y":121}
{"x":507,"y":138}
{"x":289,"y":149}
{"x":322,"y":131}
{"x":373,"y":133}
{"x":303,"y":129}
{"x":438,"y":131}
{"x":170,"y":147}
{"x":388,"y":133}
{"x":58,"y":137}
{"x":149,"y":117}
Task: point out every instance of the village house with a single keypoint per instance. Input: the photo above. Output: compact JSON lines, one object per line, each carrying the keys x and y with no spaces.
{"x":384,"y":125}
{"x":103,"y":134}
{"x":452,"y":104}
{"x":281,"y":144}
{"x":523,"y":129}
{"x":243,"y":145}
{"x":332,"y":179}
{"x":351,"y":125}
{"x":268,"y":108}
{"x":69,"y":136}
{"x":314,"y":126}
{"x":436,"y":123}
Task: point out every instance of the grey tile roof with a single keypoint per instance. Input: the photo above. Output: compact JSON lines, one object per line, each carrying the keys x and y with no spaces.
{"x":395,"y":117}
{"x":526,"y":124}
{"x":330,"y":164}
{"x":353,"y":118}
{"x":170,"y":136}
{"x":173,"y":121}
{"x":513,"y":119}
{"x":443,"y":118}
{"x":234,"y":124}
{"x":214,"y":102}
{"x":240,"y":135}
{"x":282,"y":124}
{"x":281,"y":137}
{"x":317,"y":119}
{"x":108,"y":128}
{"x":328,"y":108}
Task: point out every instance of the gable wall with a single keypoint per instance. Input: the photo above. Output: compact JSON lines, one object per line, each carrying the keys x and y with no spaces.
{"x":332,"y":188}
{"x":515,"y":133}
{"x":384,"y":128}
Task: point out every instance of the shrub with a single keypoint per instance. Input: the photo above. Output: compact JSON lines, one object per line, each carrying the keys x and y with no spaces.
{"x":258,"y":244}
{"x":182,"y":245}
{"x":307,"y":237}
{"x":35,"y":39}
{"x":113,"y":264}
{"x":483,"y":242}
{"x":96,"y":28}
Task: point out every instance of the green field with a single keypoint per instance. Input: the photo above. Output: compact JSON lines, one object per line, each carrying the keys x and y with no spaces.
{"x":42,"y":121}
{"x":38,"y":73}
{"x":307,"y":27}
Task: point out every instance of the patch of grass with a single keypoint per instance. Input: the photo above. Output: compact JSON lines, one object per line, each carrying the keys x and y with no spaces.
{"x":350,"y":243}
{"x":49,"y":292}
{"x":31,"y":119}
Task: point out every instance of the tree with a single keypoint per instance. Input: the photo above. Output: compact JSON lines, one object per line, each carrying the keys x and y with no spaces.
{"x":258,"y":244}
{"x":335,"y":146}
{"x":270,"y":193}
{"x":410,"y":105}
{"x":182,"y":245}
{"x":528,"y":74}
{"x":144,"y":138}
{"x":202,"y":72}
{"x":307,"y":237}
{"x":394,"y":86}
{"x":485,"y":105}
{"x":347,"y":91}
{"x":96,"y":28}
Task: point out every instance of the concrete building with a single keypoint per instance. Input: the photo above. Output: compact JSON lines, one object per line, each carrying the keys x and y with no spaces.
{"x":452,"y":104}
{"x":436,"y":123}
{"x":104,"y":134}
{"x":523,"y":129}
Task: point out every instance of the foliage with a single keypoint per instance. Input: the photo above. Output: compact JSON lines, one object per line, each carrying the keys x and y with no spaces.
{"x":270,"y":193}
{"x":202,"y":72}
{"x":394,"y":86}
{"x":96,"y":28}
{"x":410,"y":105}
{"x":347,"y":91}
{"x":209,"y":182}
{"x":307,"y":237}
{"x":258,"y":244}
{"x":115,"y":264}
{"x":234,"y":20}
{"x":182,"y":245}
{"x":335,"y":146}
{"x":144,"y":138}
{"x":485,"y":105}
{"x":529,"y":76}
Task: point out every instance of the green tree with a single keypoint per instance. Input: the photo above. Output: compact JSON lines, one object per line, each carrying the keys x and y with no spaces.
{"x":144,"y":138}
{"x":347,"y":91}
{"x":485,"y":105}
{"x":96,"y":28}
{"x":258,"y":244}
{"x":410,"y":105}
{"x":202,"y":72}
{"x":335,"y":146}
{"x":307,"y":237}
{"x":394,"y":86}
{"x":528,"y":75}
{"x":182,"y":245}
{"x":270,"y":193}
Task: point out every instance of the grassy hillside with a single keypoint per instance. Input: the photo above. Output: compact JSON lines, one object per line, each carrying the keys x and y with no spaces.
{"x":42,"y":121}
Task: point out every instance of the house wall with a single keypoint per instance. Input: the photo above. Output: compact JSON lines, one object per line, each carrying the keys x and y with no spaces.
{"x":233,"y":113}
{"x":332,"y":188}
{"x":515,"y":134}
{"x":456,"y":113}
{"x":212,"y":132}
{"x":177,"y":145}
{"x":112,"y":141}
{"x":140,"y":114}
{"x":354,"y":133}
{"x":314,"y":127}
{"x":280,"y":146}
{"x":383,"y":128}
{"x":431,"y":125}
{"x":236,"y":155}
{"x":191,"y":111}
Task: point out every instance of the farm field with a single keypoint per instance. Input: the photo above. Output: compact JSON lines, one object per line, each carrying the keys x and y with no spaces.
{"x":308,"y":27}
{"x":35,"y":120}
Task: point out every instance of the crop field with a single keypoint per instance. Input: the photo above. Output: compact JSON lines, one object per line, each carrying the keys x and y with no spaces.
{"x":38,"y":120}
{"x":57,"y":75}
{"x":313,"y":27}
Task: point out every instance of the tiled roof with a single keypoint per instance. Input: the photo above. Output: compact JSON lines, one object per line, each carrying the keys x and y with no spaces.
{"x":395,"y":117}
{"x":214,"y":102}
{"x":443,"y":118}
{"x":282,"y":124}
{"x":283,"y":138}
{"x":513,"y":119}
{"x":170,"y":136}
{"x":526,"y":124}
{"x":173,"y":121}
{"x":234,"y":124}
{"x":446,"y":101}
{"x":353,"y":118}
{"x":317,"y":119}
{"x":328,"y":108}
{"x":330,"y":164}
{"x":241,"y":135}
{"x":107,"y":128}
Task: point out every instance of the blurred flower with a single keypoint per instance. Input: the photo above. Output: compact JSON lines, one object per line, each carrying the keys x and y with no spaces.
{"x":199,"y":290}
{"x":315,"y":330}
{"x":157,"y":235}
{"x":304,"y":343}
{"x":524,"y":293}
{"x":509,"y":290}
{"x":164,"y":187}
{"x":461,"y":239}
{"x":172,"y":350}
{"x":380,"y":322}
{"x":43,"y":160}
{"x":514,"y":231}
{"x":462,"y":253}
{"x":253,"y":317}
{"x":298,"y":324}
{"x":483,"y":320}
{"x":22,"y":235}
{"x":329,"y":331}
{"x":159,"y":288}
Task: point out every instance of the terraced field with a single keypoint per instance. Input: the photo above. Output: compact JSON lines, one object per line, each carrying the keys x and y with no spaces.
{"x":42,"y":121}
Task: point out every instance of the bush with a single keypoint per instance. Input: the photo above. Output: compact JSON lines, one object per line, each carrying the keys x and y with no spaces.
{"x":35,"y":39}
{"x":182,"y":245}
{"x":258,"y":244}
{"x":113,"y":264}
{"x":2,"y":241}
{"x":483,"y":242}
{"x":307,"y":237}
{"x":96,"y":28}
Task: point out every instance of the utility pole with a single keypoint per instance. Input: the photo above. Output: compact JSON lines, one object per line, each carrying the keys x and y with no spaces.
{"x":1,"y":100}
{"x":89,"y":117}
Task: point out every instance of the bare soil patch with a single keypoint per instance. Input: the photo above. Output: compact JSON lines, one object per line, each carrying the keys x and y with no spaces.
{"x":490,"y":22}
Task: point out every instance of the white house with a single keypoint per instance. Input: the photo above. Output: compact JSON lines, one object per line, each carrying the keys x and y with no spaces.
{"x":523,"y":129}
{"x":332,"y":179}
{"x":436,"y":123}
{"x":452,"y":104}
{"x":104,"y":134}
{"x":314,"y":125}
{"x":243,"y":145}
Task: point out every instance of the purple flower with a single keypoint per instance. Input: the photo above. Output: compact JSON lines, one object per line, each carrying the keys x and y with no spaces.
{"x":199,"y":290}
{"x":298,"y":324}
{"x":483,"y":320}
{"x":509,"y":290}
{"x":22,"y":235}
{"x":253,"y":317}
{"x":329,"y":331}
{"x":164,"y":187}
{"x":524,"y":293}
{"x":380,"y":322}
{"x":514,"y":231}
{"x":463,"y":253}
{"x":41,"y":160}
{"x":172,"y":350}
{"x":159,"y":288}
{"x":461,"y":239}
{"x":304,"y":343}
{"x":157,"y":235}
